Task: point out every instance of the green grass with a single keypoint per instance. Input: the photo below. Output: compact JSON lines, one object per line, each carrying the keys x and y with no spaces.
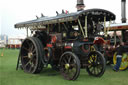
{"x":9,"y":75}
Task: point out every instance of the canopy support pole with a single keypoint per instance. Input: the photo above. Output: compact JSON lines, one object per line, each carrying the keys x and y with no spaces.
{"x":109,"y":26}
{"x":81,"y":28}
{"x":86,"y":35}
{"x":105,"y":31}
{"x":114,"y":37}
{"x":27,"y":31}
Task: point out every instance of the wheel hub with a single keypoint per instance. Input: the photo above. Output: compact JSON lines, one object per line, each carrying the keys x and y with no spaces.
{"x":67,"y":66}
{"x":30,"y":54}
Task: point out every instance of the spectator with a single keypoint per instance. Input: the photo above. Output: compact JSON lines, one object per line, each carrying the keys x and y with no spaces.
{"x":120,"y":50}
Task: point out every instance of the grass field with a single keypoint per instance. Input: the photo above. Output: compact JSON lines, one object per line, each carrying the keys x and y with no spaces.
{"x":9,"y":75}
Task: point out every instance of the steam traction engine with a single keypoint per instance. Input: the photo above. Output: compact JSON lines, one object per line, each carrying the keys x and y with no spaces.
{"x":119,"y":34}
{"x":67,"y":42}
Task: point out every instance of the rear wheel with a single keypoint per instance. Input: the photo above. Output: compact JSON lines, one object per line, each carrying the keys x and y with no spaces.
{"x":124,"y":63}
{"x":69,"y":66}
{"x":42,"y":40}
{"x":96,"y":64}
{"x":31,"y":54}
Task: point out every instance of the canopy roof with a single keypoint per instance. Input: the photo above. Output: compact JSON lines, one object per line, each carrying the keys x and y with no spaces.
{"x":117,"y":27}
{"x":96,"y":14}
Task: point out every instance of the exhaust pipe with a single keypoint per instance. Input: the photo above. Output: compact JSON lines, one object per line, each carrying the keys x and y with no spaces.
{"x":80,"y":5}
{"x":123,"y":14}
{"x":123,"y":11}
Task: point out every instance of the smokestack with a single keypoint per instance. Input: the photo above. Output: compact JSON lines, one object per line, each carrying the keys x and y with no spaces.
{"x":123,"y":10}
{"x":80,"y":5}
{"x":123,"y":14}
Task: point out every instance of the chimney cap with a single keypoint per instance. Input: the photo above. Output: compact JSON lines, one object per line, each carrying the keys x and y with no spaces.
{"x":123,"y":0}
{"x":80,"y":5}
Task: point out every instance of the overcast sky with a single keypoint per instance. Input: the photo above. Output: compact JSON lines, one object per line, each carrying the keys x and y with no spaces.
{"x":14,"y":11}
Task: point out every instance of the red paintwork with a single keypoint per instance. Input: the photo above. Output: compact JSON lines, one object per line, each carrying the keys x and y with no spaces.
{"x":54,"y":38}
{"x":99,"y":40}
{"x":49,"y":45}
{"x":67,"y":47}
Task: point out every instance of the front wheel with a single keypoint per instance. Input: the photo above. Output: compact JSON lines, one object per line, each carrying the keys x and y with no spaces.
{"x":69,"y":66}
{"x":96,"y":64}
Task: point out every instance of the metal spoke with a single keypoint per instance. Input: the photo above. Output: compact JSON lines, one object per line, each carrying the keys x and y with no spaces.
{"x":34,"y":50}
{"x":27,"y":63}
{"x":28,"y":43}
{"x":90,"y":66}
{"x":30,"y":69}
{"x":32,"y":47}
{"x":97,"y":70}
{"x":69,"y":59}
{"x":94,"y":70}
{"x":25,"y":48}
{"x":100,"y":67}
{"x":25,"y":56}
{"x":34,"y":55}
{"x":91,"y":59}
{"x":65,"y":61}
{"x":31,"y":66}
{"x":67,"y":71}
{"x":33,"y":61}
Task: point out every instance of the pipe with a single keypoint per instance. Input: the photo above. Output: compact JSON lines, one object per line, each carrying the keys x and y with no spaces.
{"x":123,"y":14}
{"x":123,"y":10}
{"x":80,"y":5}
{"x":27,"y":32}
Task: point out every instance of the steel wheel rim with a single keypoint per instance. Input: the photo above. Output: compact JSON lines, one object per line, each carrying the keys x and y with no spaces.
{"x":29,"y":56}
{"x":68,"y":66}
{"x":96,"y":64}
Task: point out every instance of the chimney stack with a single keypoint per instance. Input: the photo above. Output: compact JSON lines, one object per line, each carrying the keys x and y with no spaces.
{"x":123,"y":10}
{"x":123,"y":14}
{"x":80,"y":5}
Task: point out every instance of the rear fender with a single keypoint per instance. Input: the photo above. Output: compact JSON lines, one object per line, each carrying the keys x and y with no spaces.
{"x":99,"y":40}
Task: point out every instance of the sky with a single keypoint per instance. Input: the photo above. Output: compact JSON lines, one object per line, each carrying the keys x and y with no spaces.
{"x":15,"y":11}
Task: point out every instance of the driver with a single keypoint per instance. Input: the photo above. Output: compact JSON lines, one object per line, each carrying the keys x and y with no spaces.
{"x":120,"y":50}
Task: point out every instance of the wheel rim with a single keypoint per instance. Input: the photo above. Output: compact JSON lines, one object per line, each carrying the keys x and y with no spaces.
{"x":124,"y":62}
{"x":96,"y":63}
{"x":29,"y":56}
{"x":69,"y":66}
